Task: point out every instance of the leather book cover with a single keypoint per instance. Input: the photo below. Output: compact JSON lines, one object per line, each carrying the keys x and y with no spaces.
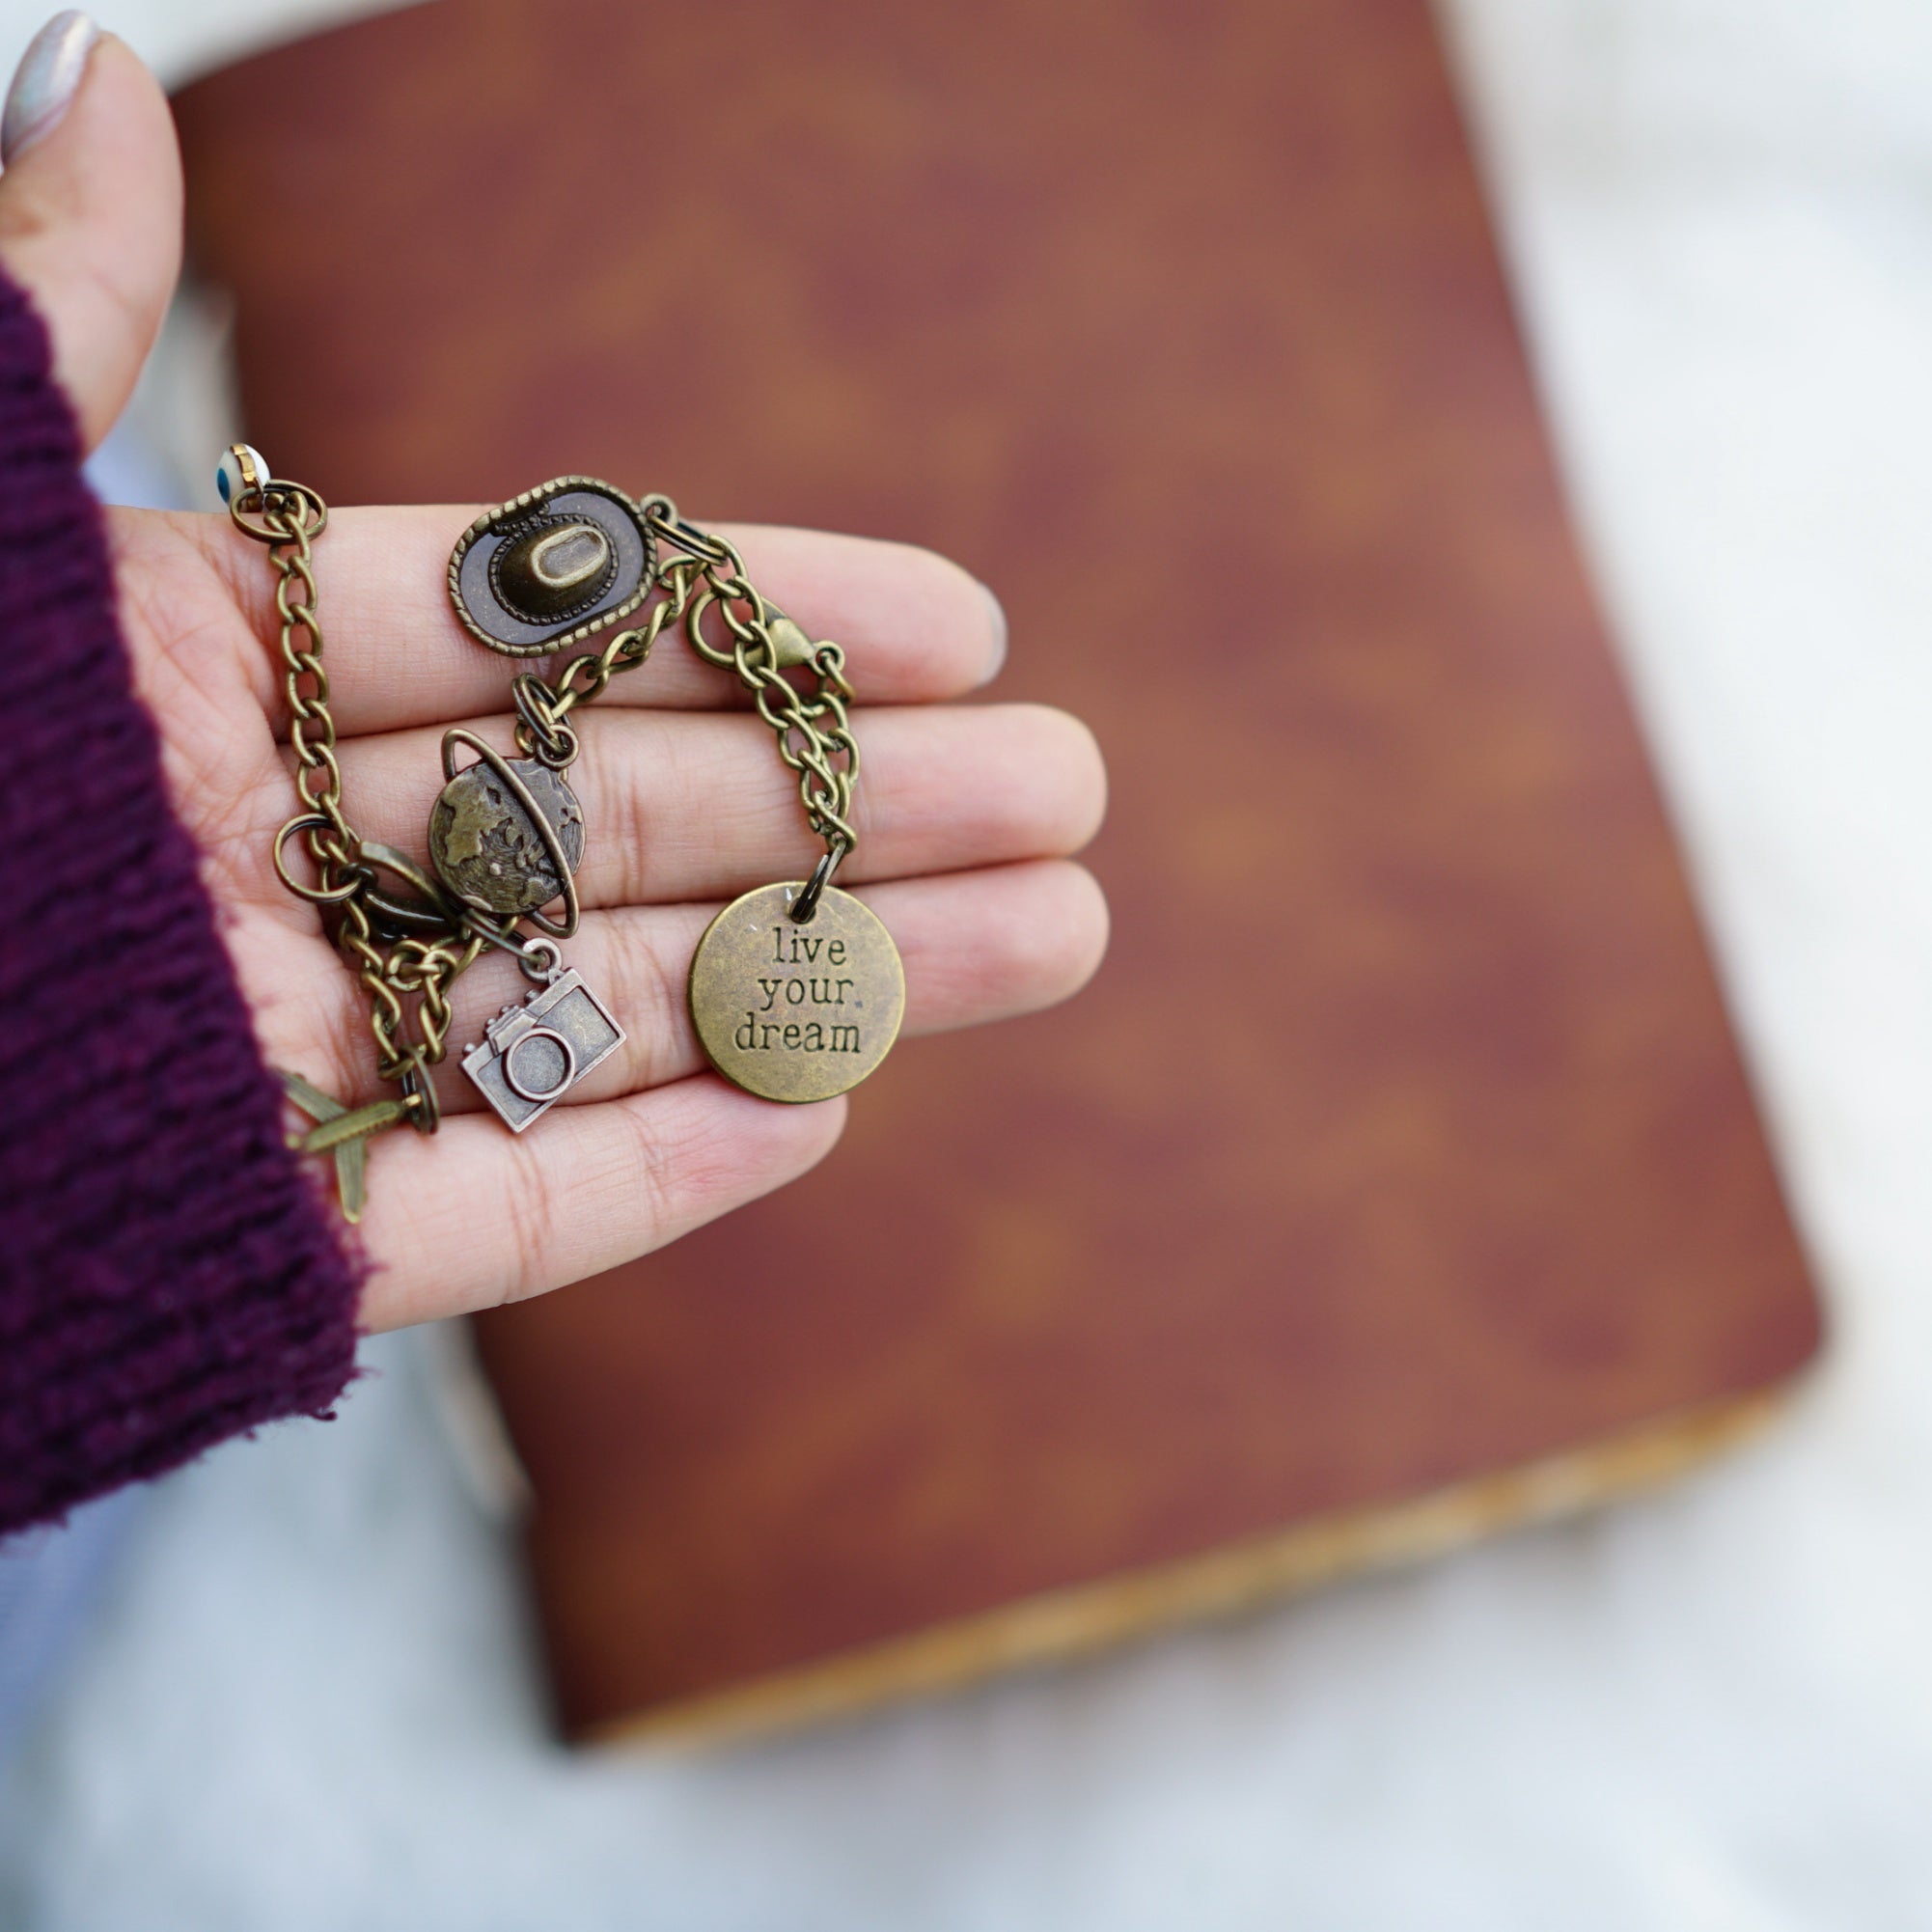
{"x":1398,"y":1177}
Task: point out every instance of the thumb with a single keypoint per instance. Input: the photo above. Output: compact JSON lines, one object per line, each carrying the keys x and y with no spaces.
{"x":91,"y":209}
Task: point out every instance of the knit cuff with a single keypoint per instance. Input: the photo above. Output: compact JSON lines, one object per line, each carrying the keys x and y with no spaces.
{"x":168,"y":1276}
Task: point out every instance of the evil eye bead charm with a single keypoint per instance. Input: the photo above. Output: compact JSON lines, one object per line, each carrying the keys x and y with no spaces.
{"x":241,"y":470}
{"x":545,"y":569}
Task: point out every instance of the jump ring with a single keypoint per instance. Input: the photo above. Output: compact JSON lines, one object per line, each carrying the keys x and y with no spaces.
{"x":555,"y":744}
{"x":806,"y":903}
{"x":251,"y":505}
{"x":553,"y":964}
{"x":427,"y":1115}
{"x":309,"y":821}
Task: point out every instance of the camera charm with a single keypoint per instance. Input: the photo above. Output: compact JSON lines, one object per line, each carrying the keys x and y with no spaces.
{"x":796,"y":989}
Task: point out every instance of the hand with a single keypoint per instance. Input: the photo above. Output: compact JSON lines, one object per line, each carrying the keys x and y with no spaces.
{"x":964,"y":811}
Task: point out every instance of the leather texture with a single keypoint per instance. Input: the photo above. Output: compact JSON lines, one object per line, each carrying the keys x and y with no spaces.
{"x":1402,"y":1139}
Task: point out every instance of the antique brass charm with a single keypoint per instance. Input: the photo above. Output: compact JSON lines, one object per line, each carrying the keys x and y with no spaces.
{"x":796,"y":1011}
{"x":507,"y":835}
{"x":796,"y":990}
{"x":543,"y":570}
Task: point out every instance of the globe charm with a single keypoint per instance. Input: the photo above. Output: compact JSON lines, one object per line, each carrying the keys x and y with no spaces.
{"x":488,"y":850}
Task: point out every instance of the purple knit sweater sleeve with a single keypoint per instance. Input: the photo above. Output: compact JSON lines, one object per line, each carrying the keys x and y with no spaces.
{"x":167,"y":1275}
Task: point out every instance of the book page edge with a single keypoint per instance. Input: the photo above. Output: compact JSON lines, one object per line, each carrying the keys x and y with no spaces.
{"x":1063,"y":1625}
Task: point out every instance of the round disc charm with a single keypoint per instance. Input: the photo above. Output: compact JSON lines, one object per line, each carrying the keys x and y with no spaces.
{"x":792,"y":1012}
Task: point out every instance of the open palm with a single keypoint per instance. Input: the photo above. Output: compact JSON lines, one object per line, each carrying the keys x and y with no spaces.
{"x":963,"y":813}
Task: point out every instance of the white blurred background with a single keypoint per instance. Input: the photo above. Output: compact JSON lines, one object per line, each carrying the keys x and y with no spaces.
{"x":310,"y":1703}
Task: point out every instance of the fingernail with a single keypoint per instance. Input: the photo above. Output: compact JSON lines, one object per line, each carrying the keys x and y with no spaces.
{"x":46,"y":81}
{"x":998,"y":612}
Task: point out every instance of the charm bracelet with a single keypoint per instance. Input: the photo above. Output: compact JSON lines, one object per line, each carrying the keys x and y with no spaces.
{"x":796,"y":989}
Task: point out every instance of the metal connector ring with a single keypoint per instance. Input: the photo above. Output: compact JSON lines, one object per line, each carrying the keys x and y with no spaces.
{"x":807,"y":902}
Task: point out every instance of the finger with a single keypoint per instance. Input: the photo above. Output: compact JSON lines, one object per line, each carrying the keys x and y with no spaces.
{"x":475,"y":1216}
{"x":91,"y":209}
{"x":681,"y":807}
{"x":914,"y":624}
{"x":977,"y":946}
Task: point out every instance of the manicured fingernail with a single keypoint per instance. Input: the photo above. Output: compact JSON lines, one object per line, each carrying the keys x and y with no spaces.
{"x":46,"y":81}
{"x":998,"y":613}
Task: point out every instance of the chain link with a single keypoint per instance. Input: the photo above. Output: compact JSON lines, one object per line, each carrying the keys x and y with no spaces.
{"x":812,"y":728}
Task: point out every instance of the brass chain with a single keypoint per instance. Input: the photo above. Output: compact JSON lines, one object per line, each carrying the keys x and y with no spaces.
{"x":288,"y":517}
{"x":542,"y":707}
{"x":812,"y":728}
{"x":408,"y":953}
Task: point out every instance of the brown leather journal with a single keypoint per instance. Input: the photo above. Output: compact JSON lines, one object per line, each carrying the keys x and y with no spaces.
{"x":1398,"y":1178}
